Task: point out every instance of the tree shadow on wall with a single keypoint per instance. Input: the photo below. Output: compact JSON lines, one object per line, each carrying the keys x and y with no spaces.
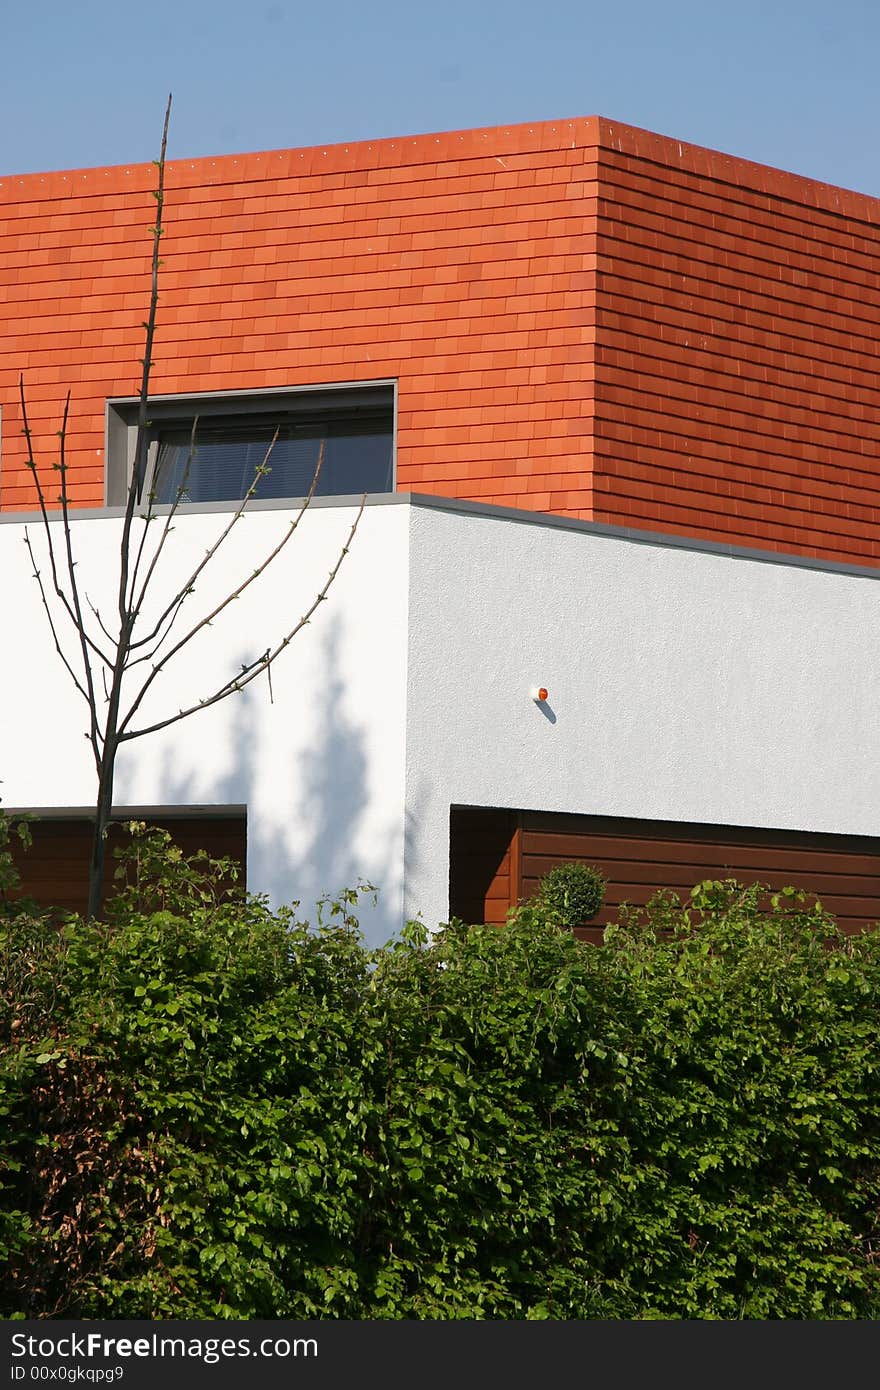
{"x":302,"y":837}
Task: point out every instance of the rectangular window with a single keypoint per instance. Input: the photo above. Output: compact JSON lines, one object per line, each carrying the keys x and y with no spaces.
{"x":214,"y":448}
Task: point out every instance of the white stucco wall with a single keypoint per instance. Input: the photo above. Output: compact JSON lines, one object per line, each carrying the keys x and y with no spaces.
{"x":321,"y":769}
{"x":682,"y":685}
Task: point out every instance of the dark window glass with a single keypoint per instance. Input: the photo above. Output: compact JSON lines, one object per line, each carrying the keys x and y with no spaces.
{"x":225,"y":458}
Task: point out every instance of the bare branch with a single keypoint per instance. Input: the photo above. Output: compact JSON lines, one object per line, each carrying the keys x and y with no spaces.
{"x":51,"y":621}
{"x":254,"y":669}
{"x":136,"y":603}
{"x":71,"y":605}
{"x":189,"y":584}
{"x":99,"y":620}
{"x":231,"y":597}
{"x":71,"y":571}
{"x":140,"y":454}
{"x":30,"y":463}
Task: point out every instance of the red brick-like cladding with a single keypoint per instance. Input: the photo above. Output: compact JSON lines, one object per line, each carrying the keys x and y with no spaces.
{"x":460,"y":264}
{"x":582,"y":318}
{"x":738,"y":313}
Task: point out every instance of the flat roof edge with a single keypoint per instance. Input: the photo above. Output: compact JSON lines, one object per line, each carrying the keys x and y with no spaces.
{"x":396,"y":151}
{"x":490,"y":511}
{"x":637,"y":536}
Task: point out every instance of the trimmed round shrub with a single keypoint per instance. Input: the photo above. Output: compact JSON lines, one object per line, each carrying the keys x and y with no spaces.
{"x":571,"y":894}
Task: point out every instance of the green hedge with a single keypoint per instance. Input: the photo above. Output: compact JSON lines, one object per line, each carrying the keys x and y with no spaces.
{"x":210,"y":1110}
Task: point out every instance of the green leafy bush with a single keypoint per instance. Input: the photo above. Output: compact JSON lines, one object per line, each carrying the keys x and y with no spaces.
{"x":10,"y":879}
{"x":213,"y":1110}
{"x":569,"y":895}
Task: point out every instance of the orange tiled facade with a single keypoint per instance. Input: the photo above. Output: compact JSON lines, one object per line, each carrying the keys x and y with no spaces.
{"x":582,"y":318}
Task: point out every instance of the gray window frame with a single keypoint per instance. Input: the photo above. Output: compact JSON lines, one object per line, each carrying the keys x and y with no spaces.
{"x":271,"y":404}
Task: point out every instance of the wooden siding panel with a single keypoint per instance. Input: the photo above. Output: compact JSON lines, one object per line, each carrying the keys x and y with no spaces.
{"x":640,"y":857}
{"x":54,"y":871}
{"x":483,"y":864}
{"x":701,"y":853}
{"x":498,"y":857}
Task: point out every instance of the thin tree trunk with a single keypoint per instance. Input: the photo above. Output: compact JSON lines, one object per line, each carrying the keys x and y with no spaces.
{"x":103,"y":809}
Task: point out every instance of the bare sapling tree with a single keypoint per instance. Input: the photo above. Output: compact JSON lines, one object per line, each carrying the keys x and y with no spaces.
{"x":115,"y":662}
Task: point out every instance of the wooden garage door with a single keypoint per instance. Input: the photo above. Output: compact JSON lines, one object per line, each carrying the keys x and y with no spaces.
{"x":55,"y":870}
{"x":639,"y":856}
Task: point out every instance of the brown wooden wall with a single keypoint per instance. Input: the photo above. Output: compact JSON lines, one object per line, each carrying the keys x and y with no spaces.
{"x":54,"y":871}
{"x":484,"y":873}
{"x":498,"y":857}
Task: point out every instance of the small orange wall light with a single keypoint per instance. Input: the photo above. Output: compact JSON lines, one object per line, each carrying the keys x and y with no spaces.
{"x":539,"y":694}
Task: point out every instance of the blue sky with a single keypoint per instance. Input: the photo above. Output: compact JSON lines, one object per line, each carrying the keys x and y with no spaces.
{"x":793,"y":83}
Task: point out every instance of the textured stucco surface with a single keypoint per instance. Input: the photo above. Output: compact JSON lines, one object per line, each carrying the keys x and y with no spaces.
{"x":320,"y":767}
{"x":682,"y":686}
